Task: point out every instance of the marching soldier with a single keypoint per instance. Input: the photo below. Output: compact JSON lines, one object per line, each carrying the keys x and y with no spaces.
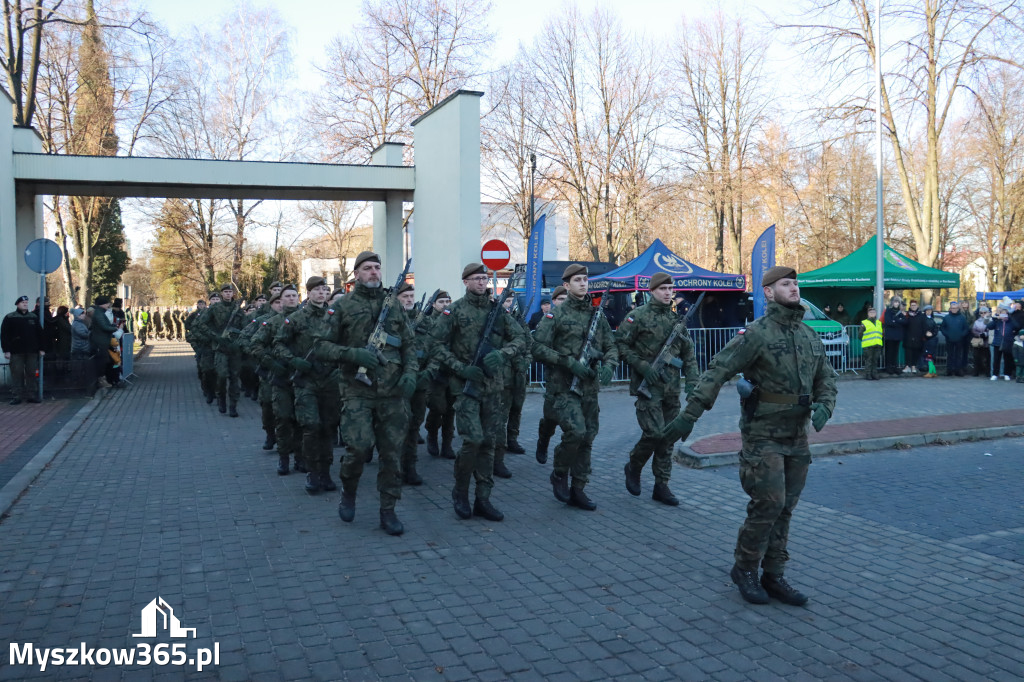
{"x":419,"y":323}
{"x":511,"y":374}
{"x":787,"y":381}
{"x":378,"y":386}
{"x":440,"y":399}
{"x":316,"y":386}
{"x":158,"y":324}
{"x":517,"y":392}
{"x":168,"y":324}
{"x":190,"y":323}
{"x":287,"y":432}
{"x":204,"y":351}
{"x":560,"y":345}
{"x":249,"y":379}
{"x":477,"y":415}
{"x":220,"y":327}
{"x":257,"y":344}
{"x":642,"y":337}
{"x":548,"y":420}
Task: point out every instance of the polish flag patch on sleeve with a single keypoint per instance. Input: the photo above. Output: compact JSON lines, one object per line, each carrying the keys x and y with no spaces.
{"x":550,"y":316}
{"x":629,"y":319}
{"x":446,"y":312}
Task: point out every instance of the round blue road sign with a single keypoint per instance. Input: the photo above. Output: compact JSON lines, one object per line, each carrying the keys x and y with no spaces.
{"x":43,"y":256}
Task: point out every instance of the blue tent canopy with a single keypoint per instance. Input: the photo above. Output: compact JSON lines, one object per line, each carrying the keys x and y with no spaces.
{"x":636,"y":274}
{"x":997,"y":295}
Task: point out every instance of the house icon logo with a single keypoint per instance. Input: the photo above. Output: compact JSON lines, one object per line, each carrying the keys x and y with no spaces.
{"x":167,"y":620}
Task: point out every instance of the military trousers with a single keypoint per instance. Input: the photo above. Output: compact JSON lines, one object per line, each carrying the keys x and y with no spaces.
{"x":24,"y":382}
{"x":871,"y":354}
{"x":516,"y":396}
{"x":266,"y":400}
{"x":652,"y":415}
{"x":578,"y":418}
{"x":441,"y":410}
{"x":381,"y":422}
{"x":548,"y":420}
{"x":316,"y":411}
{"x":417,"y":411}
{"x":207,"y":370}
{"x":773,"y":474}
{"x":228,"y":365}
{"x":478,"y":423}
{"x":286,"y":428}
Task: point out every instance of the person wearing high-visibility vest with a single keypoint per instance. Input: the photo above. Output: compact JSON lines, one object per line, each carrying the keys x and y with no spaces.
{"x":871,"y":343}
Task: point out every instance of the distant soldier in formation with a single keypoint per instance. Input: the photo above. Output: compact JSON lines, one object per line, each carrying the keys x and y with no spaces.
{"x":287,"y":432}
{"x":419,"y":325}
{"x":257,"y":344}
{"x":190,"y":322}
{"x":574,"y":382}
{"x":510,"y":374}
{"x":642,"y":336}
{"x":158,"y":323}
{"x":519,"y":376}
{"x":440,"y":399}
{"x":168,"y":324}
{"x":219,"y":328}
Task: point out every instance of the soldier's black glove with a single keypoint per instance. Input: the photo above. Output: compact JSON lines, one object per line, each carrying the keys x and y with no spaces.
{"x":423,"y":379}
{"x":819,"y":416}
{"x":604,"y":375}
{"x":678,"y":429}
{"x":407,"y":385}
{"x":648,"y":373}
{"x":472,"y":373}
{"x":301,"y":364}
{"x":493,"y":361}
{"x":580,"y":370}
{"x":360,"y":357}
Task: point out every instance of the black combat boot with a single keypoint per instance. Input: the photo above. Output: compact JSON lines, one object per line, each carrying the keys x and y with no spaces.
{"x":501,"y":471}
{"x":325,"y":481}
{"x":419,"y":438}
{"x":750,"y":588}
{"x":347,"y":506}
{"x":446,"y":448}
{"x":560,"y":486}
{"x":300,"y":466}
{"x":410,"y":476}
{"x":633,"y":480}
{"x":390,"y":523}
{"x":432,"y":448}
{"x":512,"y":445}
{"x":460,"y":500}
{"x":776,"y":586}
{"x":210,"y":397}
{"x":222,"y":404}
{"x":483,"y":507}
{"x":664,"y":495}
{"x":233,"y":410}
{"x":369,"y":456}
{"x":312,"y":482}
{"x":270,"y":442}
{"x":542,"y":449}
{"x":282,"y":465}
{"x":579,"y":499}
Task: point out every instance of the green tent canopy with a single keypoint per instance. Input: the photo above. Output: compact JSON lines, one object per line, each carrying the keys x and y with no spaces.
{"x":858,"y":271}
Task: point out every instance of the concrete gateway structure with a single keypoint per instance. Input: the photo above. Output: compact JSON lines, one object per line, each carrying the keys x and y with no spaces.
{"x":444,"y":187}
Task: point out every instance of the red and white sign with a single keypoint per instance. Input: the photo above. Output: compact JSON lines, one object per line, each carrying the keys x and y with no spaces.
{"x":495,"y":254}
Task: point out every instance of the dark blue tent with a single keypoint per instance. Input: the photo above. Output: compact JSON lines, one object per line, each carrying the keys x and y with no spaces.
{"x":636,"y":274}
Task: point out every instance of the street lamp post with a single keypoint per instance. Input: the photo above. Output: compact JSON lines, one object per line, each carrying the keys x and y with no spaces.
{"x":879,"y":227}
{"x":533,"y":170}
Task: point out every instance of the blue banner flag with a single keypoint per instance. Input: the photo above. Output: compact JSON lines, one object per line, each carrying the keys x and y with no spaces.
{"x":535,"y":267}
{"x":762,"y":259}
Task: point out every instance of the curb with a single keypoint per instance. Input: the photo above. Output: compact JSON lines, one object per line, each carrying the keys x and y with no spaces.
{"x":20,"y":482}
{"x":687,"y":457}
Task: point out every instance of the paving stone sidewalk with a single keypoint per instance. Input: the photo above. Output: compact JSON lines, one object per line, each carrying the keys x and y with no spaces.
{"x":157,"y":494}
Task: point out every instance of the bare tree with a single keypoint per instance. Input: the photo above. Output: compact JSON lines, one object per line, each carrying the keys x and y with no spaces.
{"x":338,"y":221}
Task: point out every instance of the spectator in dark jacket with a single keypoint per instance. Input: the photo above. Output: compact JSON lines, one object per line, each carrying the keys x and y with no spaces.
{"x":892,"y":334}
{"x":931,"y":339}
{"x":63,"y":327}
{"x":81,"y":347}
{"x":956,"y":329}
{"x":1002,"y":343}
{"x":21,"y":339}
{"x":545,"y":308}
{"x":1018,"y":355}
{"x":979,"y":341}
{"x":100,"y":334}
{"x":913,"y":338}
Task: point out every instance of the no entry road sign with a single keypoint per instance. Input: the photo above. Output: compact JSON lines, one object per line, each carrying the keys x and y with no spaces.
{"x":495,"y":254}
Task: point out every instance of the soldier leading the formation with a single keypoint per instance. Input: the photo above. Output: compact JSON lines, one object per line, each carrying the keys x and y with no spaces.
{"x":787,"y":381}
{"x":644,"y":341}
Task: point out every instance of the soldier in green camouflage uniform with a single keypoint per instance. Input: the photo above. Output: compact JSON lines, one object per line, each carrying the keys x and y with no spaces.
{"x":219,"y":328}
{"x":477,"y":416}
{"x":559,"y":345}
{"x":204,"y":352}
{"x":247,"y":375}
{"x":190,"y":322}
{"x":641,"y":336}
{"x":287,"y":432}
{"x":257,"y":345}
{"x":316,"y":384}
{"x":511,"y":373}
{"x":792,"y":382}
{"x":419,"y":325}
{"x":440,"y":399}
{"x":376,"y":414}
{"x":548,"y":420}
{"x":517,"y":392}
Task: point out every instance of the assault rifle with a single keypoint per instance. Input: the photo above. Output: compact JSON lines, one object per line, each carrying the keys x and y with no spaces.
{"x":664,"y":356}
{"x":588,"y":354}
{"x":484,"y":346}
{"x":427,"y":309}
{"x":379,"y":337}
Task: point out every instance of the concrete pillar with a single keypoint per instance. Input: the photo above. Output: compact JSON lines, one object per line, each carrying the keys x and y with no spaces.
{"x":11,"y":262}
{"x":387,"y":217}
{"x":28,"y":213}
{"x":447,"y":195}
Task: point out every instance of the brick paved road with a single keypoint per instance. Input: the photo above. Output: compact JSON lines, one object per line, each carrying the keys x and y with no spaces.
{"x":160,"y":495}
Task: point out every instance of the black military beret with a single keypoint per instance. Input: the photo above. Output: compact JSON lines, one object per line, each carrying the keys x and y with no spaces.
{"x":659,"y":279}
{"x":775,"y":274}
{"x":473,"y":269}
{"x":573,"y":270}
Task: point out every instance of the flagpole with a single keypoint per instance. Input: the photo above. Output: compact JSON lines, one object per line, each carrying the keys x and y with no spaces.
{"x":879,"y":222}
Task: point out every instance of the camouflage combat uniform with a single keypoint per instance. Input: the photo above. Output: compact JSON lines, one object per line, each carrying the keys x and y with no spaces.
{"x":287,"y":432}
{"x":457,"y":334}
{"x":219,"y":328}
{"x":557,"y":344}
{"x":517,"y":389}
{"x":420,"y":326}
{"x":317,"y":400}
{"x":378,"y":414}
{"x":257,"y":340}
{"x":204,"y":356}
{"x":513,"y":377}
{"x":785,"y":359}
{"x":190,"y":323}
{"x":548,"y":420}
{"x":640,"y":338}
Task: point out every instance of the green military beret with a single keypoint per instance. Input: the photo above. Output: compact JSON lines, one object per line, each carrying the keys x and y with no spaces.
{"x":275,"y":285}
{"x":573,"y":270}
{"x":442,"y":294}
{"x":289,"y":287}
{"x":659,"y":279}
{"x":228,"y":287}
{"x":274,"y":298}
{"x":314,"y":282}
{"x":473,"y":269}
{"x":775,"y":274}
{"x":405,"y":286}
{"x":365,"y":256}
{"x":339,"y":290}
{"x":559,"y":291}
